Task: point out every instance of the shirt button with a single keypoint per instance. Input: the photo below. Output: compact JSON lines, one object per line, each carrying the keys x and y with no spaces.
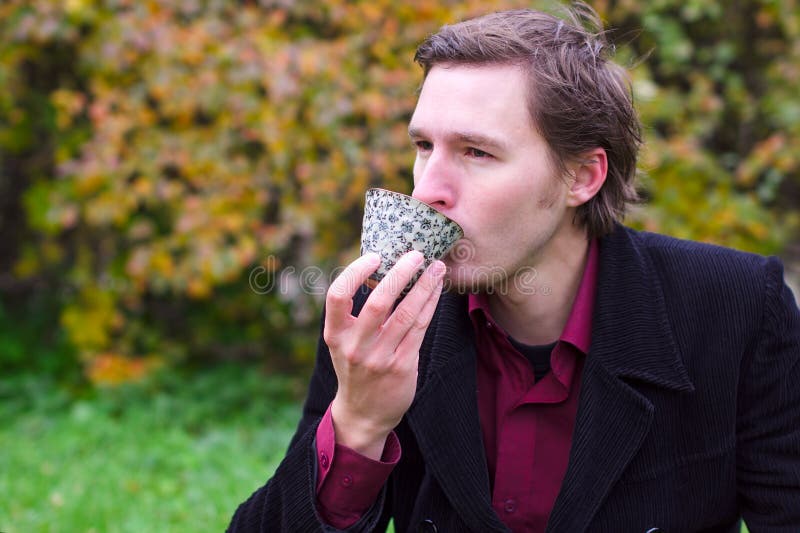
{"x":510,"y":505}
{"x":347,"y":480}
{"x":323,"y":460}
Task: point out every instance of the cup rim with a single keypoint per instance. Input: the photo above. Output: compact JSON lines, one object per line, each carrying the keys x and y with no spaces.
{"x":419,"y":202}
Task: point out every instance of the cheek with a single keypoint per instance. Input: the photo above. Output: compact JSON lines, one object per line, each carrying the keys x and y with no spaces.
{"x":554,"y":193}
{"x":547,"y":200}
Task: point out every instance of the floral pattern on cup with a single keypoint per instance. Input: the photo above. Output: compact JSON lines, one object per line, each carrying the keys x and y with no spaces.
{"x":395,"y":224}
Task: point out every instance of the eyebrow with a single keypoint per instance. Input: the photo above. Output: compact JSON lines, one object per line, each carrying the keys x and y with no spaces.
{"x":468,"y":137}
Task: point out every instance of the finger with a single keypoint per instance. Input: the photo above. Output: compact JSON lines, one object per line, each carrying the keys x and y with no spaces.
{"x":409,"y":345}
{"x":382,"y":299}
{"x":408,"y":314}
{"x":339,"y":300}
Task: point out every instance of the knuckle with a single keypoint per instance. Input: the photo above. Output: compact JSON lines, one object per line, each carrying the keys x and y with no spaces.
{"x":332,"y":330}
{"x":421,"y":322}
{"x":372,"y":366}
{"x":409,"y":367}
{"x":344,"y":354}
{"x":405,"y":365}
{"x":373,"y":307}
{"x":352,"y":358}
{"x":329,"y":336}
{"x":404,"y":317}
{"x":337,"y":295}
{"x":395,"y":365}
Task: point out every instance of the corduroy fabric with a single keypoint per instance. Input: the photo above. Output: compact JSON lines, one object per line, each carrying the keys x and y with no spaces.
{"x":689,"y":413}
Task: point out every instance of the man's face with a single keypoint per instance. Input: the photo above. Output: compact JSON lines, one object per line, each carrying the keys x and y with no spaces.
{"x":481,"y":162}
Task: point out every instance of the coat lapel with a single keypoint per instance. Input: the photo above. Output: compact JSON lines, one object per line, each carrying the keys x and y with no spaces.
{"x":444,"y":416}
{"x":632,"y":344}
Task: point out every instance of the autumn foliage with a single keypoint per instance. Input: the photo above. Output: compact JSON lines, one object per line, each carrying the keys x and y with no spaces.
{"x":181,"y":177}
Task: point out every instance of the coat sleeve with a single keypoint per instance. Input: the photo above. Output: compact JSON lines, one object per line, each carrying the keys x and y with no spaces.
{"x":288,"y":500}
{"x":768,"y":423}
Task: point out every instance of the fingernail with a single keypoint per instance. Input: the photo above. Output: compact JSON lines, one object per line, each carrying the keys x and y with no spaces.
{"x":437,"y":269}
{"x":417,"y":256}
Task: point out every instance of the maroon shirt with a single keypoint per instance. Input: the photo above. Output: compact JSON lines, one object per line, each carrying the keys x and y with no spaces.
{"x":527,"y":426}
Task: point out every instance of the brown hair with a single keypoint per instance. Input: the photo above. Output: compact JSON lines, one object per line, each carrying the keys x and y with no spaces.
{"x":579,"y":99}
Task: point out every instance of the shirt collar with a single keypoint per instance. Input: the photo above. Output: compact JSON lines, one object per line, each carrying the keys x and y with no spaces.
{"x":578,"y":328}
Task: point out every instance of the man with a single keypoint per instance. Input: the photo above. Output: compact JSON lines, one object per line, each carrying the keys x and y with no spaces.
{"x":600,"y":379}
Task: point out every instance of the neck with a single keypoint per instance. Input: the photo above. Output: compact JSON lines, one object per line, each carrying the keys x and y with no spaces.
{"x":538,"y":301}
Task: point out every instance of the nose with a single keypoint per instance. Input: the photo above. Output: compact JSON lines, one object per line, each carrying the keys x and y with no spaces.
{"x":435,"y":181}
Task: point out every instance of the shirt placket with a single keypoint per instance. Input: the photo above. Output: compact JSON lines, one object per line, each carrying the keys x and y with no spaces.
{"x":514,"y":478}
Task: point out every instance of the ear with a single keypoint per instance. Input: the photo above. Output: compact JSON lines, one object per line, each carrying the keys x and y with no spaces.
{"x":588,"y":176}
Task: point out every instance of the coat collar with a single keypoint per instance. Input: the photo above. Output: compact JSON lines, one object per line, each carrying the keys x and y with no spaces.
{"x":631,"y":334}
{"x":632,"y":344}
{"x":444,"y":415}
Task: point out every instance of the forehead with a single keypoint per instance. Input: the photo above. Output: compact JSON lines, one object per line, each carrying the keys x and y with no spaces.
{"x":490,"y":98}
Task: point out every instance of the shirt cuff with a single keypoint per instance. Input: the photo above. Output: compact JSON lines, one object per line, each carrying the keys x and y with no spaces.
{"x":348,"y":483}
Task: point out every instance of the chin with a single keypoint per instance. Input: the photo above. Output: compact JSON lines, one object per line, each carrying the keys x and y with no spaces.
{"x":462,"y":278}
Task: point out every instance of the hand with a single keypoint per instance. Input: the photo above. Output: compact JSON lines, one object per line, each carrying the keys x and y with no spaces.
{"x":376,"y":354}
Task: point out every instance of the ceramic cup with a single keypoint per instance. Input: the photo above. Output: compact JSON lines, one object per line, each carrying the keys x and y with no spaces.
{"x":395,"y":224}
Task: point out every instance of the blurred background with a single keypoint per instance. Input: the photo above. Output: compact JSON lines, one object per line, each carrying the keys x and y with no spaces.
{"x":179,"y":180}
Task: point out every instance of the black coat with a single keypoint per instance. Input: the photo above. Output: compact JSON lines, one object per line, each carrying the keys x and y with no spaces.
{"x":688,"y":417}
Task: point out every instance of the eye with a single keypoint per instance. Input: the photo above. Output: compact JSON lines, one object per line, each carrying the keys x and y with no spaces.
{"x":477,"y":153}
{"x":424,"y":146}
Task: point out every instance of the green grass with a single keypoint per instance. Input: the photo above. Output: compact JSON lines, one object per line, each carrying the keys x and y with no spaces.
{"x":174,"y":455}
{"x":177,"y":454}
